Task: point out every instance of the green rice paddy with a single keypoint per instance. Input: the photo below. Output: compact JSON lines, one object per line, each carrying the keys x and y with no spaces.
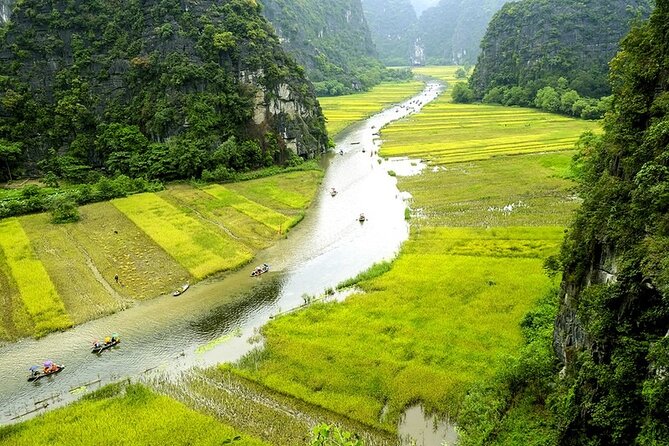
{"x":130,"y":415}
{"x":342,"y":111}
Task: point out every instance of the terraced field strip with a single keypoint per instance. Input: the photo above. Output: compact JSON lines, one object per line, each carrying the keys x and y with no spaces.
{"x":69,"y":267}
{"x":200,"y":248}
{"x":443,"y":73}
{"x":268,"y":217}
{"x":38,"y":294}
{"x":283,"y":193}
{"x":342,"y":111}
{"x":447,"y":133}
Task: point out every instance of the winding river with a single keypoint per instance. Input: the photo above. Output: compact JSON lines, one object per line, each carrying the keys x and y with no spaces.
{"x":214,"y":319}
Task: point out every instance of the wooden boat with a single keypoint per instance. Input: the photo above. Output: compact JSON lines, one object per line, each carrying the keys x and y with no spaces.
{"x":181,"y":290}
{"x":262,"y":269}
{"x":104,"y":346}
{"x":37,"y":374}
{"x":333,"y":192}
{"x":362,"y":218}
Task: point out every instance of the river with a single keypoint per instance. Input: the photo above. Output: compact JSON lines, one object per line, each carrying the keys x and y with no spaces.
{"x":214,"y":319}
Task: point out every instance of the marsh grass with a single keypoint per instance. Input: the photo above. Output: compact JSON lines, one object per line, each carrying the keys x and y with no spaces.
{"x":342,"y":111}
{"x":201,"y":249}
{"x":37,"y":292}
{"x":527,"y":190}
{"x":121,"y":415}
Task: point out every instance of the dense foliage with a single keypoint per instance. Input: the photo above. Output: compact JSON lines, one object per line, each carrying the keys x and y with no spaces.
{"x":393,"y":27}
{"x":451,"y":31}
{"x":160,"y":89}
{"x":331,"y":39}
{"x":612,"y":328}
{"x":531,"y":44}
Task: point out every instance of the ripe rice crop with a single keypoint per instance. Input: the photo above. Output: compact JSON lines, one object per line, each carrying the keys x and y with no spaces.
{"x":200,"y":248}
{"x":450,"y":133}
{"x":124,"y":416}
{"x":37,"y":293}
{"x":342,"y":111}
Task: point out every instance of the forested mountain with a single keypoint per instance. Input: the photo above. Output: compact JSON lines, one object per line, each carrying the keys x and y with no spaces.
{"x":393,"y":27}
{"x":331,"y":39}
{"x":532,"y":43}
{"x":612,"y":330}
{"x":421,"y":5}
{"x":161,"y":89}
{"x":451,"y":31}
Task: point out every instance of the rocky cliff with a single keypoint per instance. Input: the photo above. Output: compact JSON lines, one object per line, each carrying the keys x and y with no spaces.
{"x":612,"y":330}
{"x":190,"y":72}
{"x":532,"y":43}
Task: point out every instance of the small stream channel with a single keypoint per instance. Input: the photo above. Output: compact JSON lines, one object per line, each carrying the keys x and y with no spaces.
{"x":213,"y":320}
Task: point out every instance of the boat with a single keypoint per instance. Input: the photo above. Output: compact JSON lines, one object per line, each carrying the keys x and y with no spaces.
{"x":362,"y":218}
{"x":99,"y":347}
{"x":333,"y":192}
{"x":262,"y":269}
{"x":37,"y":372}
{"x":181,"y":290}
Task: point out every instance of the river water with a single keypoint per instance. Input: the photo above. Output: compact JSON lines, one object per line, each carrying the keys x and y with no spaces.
{"x":213,"y":321}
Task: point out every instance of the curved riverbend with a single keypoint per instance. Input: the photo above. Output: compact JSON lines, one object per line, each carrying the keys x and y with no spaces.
{"x":213,"y":320}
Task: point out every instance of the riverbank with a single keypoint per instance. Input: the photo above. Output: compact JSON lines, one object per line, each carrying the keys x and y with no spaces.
{"x":135,"y":248}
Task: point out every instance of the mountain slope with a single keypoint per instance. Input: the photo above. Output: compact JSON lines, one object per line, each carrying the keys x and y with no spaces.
{"x":330,"y":39}
{"x":611,"y":333}
{"x":392,"y":24}
{"x":532,"y":43}
{"x":139,"y":87}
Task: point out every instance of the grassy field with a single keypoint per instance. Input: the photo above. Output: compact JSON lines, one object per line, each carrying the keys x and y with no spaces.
{"x":342,"y":111}
{"x":443,"y":73}
{"x":124,"y":416}
{"x":53,"y":276}
{"x":38,"y":295}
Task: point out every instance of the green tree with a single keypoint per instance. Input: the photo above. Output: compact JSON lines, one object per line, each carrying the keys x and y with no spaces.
{"x":10,"y":153}
{"x":462,"y":94}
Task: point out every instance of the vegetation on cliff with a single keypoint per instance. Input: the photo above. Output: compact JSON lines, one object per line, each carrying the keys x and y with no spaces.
{"x":393,"y":27}
{"x":331,"y":40}
{"x":611,"y":332}
{"x":553,"y":55}
{"x":157,"y":89}
{"x":451,"y":31}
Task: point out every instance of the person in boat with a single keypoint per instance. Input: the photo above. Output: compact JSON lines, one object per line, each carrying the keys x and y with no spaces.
{"x":96,"y":344}
{"x":108,"y":340}
{"x":34,"y":370}
{"x":114,"y":337}
{"x":362,"y":217}
{"x":49,"y":367}
{"x":341,"y":152}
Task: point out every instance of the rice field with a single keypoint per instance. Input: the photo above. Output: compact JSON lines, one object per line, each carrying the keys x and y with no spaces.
{"x":445,"y":316}
{"x":342,"y":111}
{"x":152,"y":242}
{"x":443,"y":73}
{"x":129,"y":415}
{"x":37,"y":293}
{"x":447,"y":133}
{"x":199,"y":248}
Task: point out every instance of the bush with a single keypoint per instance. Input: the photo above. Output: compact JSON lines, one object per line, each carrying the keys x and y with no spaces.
{"x":64,"y":210}
{"x":462,"y":94}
